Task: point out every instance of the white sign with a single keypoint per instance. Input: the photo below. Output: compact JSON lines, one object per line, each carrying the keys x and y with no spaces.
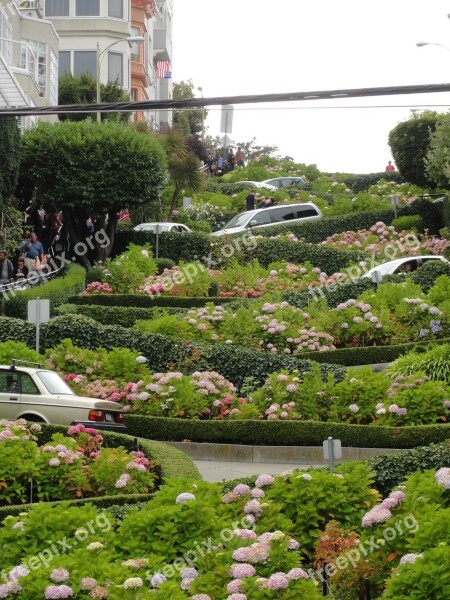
{"x":186,"y":201}
{"x":38,"y":311}
{"x":337,"y":449}
{"x":226,"y":119}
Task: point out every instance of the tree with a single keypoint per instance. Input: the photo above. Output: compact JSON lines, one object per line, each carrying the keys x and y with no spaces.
{"x":91,"y":169}
{"x":9,"y":157}
{"x":438,"y":157}
{"x":83,"y":90}
{"x":184,"y":168}
{"x":410,"y":142}
{"x":189,"y":121}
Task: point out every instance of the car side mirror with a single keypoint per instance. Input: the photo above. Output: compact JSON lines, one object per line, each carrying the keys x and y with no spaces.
{"x":376,"y":277}
{"x":253,"y":223}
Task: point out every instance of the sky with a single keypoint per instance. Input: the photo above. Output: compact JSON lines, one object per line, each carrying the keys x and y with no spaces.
{"x":239,"y":47}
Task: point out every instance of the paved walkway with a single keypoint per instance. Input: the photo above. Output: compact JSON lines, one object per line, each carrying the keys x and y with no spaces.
{"x":214,"y":470}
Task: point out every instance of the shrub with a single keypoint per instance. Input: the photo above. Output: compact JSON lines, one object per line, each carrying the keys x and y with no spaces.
{"x":142,"y":301}
{"x":17,"y":331}
{"x":95,"y":273}
{"x":163,"y":263}
{"x":124,"y":316}
{"x":359,"y":183}
{"x":57,"y":290}
{"x":413,"y":222}
{"x":426,"y":275}
{"x":434,"y":363}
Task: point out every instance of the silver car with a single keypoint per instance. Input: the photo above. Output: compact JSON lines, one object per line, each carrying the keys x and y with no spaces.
{"x":40,"y":395}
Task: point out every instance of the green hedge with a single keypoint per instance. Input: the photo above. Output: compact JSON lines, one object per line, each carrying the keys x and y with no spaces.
{"x":392,"y":469}
{"x":17,"y":331}
{"x":334,"y":294}
{"x":174,"y":464}
{"x":284,"y":433}
{"x":330,"y":260}
{"x":360,"y":183}
{"x":172,"y":245}
{"x":125,"y":316}
{"x":144,"y":301}
{"x":164,"y":353}
{"x":57,"y":290}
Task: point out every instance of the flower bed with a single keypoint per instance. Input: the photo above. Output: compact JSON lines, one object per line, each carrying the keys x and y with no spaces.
{"x":66,"y":467}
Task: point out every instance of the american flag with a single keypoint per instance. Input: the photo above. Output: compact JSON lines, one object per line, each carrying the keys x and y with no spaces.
{"x":163,"y":69}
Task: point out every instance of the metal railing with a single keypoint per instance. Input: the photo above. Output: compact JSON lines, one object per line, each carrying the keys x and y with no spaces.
{"x":38,"y":278}
{"x":19,"y":55}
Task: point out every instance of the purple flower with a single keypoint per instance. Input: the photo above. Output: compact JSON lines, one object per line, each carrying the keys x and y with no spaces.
{"x":410,"y":558}
{"x":442,"y":477}
{"x":241,"y":570}
{"x":297,"y":574}
{"x":375,"y":516}
{"x":59,"y":575}
{"x":189,"y":573}
{"x":354,"y":408}
{"x":234,"y":586}
{"x":158,"y":579}
{"x":58,"y":591}
{"x":277,"y":581}
{"x":184,"y":497}
{"x":241,"y":489}
{"x":264,"y":480}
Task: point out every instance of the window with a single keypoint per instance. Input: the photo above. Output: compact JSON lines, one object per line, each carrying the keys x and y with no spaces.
{"x":27,"y":384}
{"x":115,"y":9}
{"x":87,"y":8}
{"x":9,"y":382}
{"x":84,"y":62}
{"x":115,"y":67}
{"x":56,"y":8}
{"x":305,"y":211}
{"x":284,"y":213}
{"x":261,"y":218}
{"x":134,"y":52}
{"x":6,"y":36}
{"x":64,"y":63}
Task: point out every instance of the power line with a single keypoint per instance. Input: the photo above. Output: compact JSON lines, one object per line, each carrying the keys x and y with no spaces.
{"x":149,"y":105}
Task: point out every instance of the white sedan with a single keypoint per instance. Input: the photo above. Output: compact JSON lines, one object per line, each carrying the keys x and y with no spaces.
{"x":259,"y":184}
{"x":163,"y":227}
{"x":402,"y":265}
{"x":40,"y":395}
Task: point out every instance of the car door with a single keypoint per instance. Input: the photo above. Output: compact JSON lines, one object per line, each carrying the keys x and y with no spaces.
{"x":31,"y":400}
{"x":9,"y":394}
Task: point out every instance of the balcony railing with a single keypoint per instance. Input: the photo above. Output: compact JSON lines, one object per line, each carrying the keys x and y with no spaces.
{"x":19,"y":55}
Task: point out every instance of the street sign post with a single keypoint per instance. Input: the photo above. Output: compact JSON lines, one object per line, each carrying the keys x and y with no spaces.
{"x":38,"y":312}
{"x":332,"y":449}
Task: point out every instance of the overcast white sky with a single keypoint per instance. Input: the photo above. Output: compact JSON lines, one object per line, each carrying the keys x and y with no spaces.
{"x":234,"y":47}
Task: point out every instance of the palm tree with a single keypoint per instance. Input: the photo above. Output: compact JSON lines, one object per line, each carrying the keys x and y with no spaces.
{"x":184,"y":168}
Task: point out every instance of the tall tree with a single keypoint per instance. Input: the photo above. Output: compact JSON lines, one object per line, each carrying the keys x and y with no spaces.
{"x":438,"y":157}
{"x":83,"y":90}
{"x":9,"y":157}
{"x":410,"y":142}
{"x":184,"y":168}
{"x":91,"y":169}
{"x":189,"y":121}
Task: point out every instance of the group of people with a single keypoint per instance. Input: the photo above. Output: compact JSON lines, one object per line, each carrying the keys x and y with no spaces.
{"x":254,"y":200}
{"x":217,"y":165}
{"x":12,"y":271}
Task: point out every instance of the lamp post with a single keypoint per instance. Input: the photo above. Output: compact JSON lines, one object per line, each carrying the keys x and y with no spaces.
{"x":137,"y":39}
{"x":200,"y":89}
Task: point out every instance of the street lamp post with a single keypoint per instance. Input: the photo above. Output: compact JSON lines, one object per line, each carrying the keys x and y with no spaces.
{"x":137,"y":39}
{"x":422,"y":44}
{"x":200,"y":89}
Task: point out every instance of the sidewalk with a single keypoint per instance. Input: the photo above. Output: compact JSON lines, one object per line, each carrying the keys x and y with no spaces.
{"x":215,"y":470}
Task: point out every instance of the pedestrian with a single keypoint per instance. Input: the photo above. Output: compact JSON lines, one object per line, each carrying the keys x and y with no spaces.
{"x":32,"y":250}
{"x":6,"y":269}
{"x":239,"y":158}
{"x":390,"y":167}
{"x":20,"y":270}
{"x":250,"y":200}
{"x":230,"y":160}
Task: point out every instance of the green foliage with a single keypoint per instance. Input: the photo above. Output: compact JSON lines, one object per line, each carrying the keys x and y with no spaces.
{"x":426,"y":275}
{"x":141,"y":301}
{"x":9,"y":157}
{"x":163,"y":263}
{"x":281,"y":433}
{"x":19,"y":350}
{"x":410,"y":142}
{"x":125,"y":316}
{"x":413,"y":222}
{"x":57,"y":290}
{"x":189,"y":121}
{"x":126,"y":273}
{"x":359,"y":183}
{"x":95,"y":273}
{"x":434,"y":363}
{"x":438,"y":157}
{"x":10,"y":228}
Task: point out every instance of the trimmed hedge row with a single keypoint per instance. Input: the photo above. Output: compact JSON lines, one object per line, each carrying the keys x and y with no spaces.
{"x":167,"y":354}
{"x":143,"y":301}
{"x":173,"y":464}
{"x":57,"y":290}
{"x":283,"y":433}
{"x":125,"y":316}
{"x":171,"y":245}
{"x":330,"y":260}
{"x":391,"y":469}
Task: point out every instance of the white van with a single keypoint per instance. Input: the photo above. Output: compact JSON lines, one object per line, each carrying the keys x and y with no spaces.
{"x":273,"y":215}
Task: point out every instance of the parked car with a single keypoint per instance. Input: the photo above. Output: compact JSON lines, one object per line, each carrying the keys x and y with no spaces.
{"x":284,"y":182}
{"x":41,"y":395}
{"x":273,"y":215}
{"x":163,"y":227}
{"x":259,"y":184}
{"x":403,"y":265}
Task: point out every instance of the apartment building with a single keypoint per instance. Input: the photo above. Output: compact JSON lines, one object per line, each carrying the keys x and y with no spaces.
{"x":28,"y":58}
{"x":87,"y":36}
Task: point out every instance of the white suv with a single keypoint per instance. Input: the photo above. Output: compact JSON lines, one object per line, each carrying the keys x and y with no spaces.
{"x":273,"y":215}
{"x":38,"y":394}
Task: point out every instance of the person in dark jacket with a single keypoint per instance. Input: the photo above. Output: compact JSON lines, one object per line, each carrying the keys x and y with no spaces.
{"x":6,"y":269}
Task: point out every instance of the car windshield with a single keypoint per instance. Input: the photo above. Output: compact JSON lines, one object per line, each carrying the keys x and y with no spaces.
{"x":54,"y":383}
{"x":238,"y":221}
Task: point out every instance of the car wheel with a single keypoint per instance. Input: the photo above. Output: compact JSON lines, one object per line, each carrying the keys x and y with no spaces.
{"x":33,"y":418}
